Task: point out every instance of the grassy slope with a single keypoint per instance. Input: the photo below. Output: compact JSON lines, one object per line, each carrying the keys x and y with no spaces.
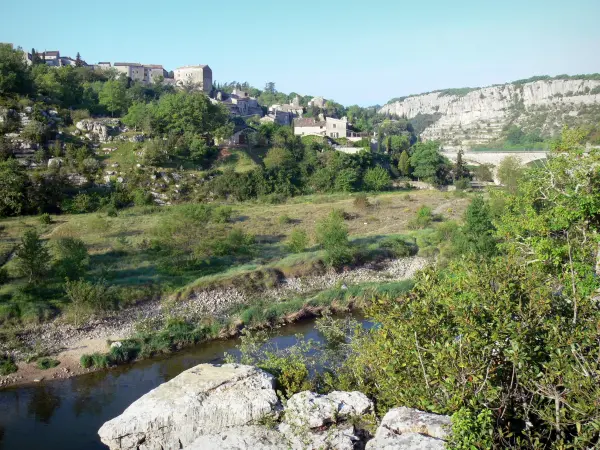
{"x":117,"y":252}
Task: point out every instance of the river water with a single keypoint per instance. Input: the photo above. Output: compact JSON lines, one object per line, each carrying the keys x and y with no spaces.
{"x":66,"y":414}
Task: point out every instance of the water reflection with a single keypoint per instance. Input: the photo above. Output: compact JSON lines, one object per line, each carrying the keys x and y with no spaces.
{"x":43,"y":403}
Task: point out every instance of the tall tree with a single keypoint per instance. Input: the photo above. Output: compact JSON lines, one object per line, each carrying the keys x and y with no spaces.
{"x":14,"y":74}
{"x":113,"y":96}
{"x":428,"y":163}
{"x":78,"y":61}
{"x":460,"y":170}
{"x":32,"y":257}
{"x":404,"y":164}
{"x":270,"y":87}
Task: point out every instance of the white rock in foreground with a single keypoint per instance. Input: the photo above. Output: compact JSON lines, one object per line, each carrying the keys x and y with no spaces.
{"x":202,"y":400}
{"x":407,"y":428}
{"x":249,"y":437}
{"x":307,"y":409}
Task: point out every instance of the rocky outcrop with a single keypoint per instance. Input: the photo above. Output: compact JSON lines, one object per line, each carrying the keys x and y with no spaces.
{"x":232,"y":406}
{"x":203,"y":400}
{"x":97,"y":129}
{"x":406,"y":428}
{"x":478,"y":116}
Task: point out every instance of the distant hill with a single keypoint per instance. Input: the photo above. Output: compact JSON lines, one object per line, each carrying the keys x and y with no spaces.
{"x":469,"y":117}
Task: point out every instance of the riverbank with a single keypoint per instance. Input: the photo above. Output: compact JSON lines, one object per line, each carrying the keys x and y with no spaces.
{"x":221,"y":313}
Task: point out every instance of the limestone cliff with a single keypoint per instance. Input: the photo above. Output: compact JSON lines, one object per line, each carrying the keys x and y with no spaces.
{"x":479,"y":116}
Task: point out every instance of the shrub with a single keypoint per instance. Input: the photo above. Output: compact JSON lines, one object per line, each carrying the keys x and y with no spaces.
{"x":462,"y":184}
{"x":72,"y":258}
{"x":236,"y":242}
{"x":284,"y":219}
{"x":3,"y":276}
{"x":472,"y":430}
{"x":376,"y":179}
{"x":423,"y":218}
{"x":7,"y":365}
{"x":100,"y":361}
{"x":361,"y":201}
{"x":45,"y":219}
{"x":222,"y":214}
{"x":111,"y":211}
{"x":46,"y":363}
{"x":298,"y":241}
{"x":332,"y":235}
{"x":399,"y":247}
{"x":32,"y":257}
{"x":142,"y":198}
{"x":86,"y":298}
{"x":86,"y":361}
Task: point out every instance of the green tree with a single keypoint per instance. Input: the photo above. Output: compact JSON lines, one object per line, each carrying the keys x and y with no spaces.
{"x":279,"y":158}
{"x":138,"y":116}
{"x":460,"y":171}
{"x":404,"y":164}
{"x":32,"y":257}
{"x":113,"y":96}
{"x":15,"y":76}
{"x":376,"y":179}
{"x":427,"y":162}
{"x":332,"y":235}
{"x":510,"y":171}
{"x":78,"y":61}
{"x":13,"y":185}
{"x":71,"y":258}
{"x":477,"y":234}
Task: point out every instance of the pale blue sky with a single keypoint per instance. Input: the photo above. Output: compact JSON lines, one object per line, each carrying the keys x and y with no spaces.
{"x":351,"y":51}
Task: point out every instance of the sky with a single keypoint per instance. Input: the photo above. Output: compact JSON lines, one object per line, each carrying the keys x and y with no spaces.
{"x":354,"y":52}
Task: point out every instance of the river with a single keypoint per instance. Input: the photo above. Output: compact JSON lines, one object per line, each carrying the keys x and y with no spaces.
{"x":66,"y":414}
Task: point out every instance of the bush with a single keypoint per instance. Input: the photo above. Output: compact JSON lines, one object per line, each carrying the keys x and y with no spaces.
{"x":423,"y":218}
{"x":399,"y":247}
{"x":111,"y":211}
{"x":472,"y":430}
{"x":222,"y":214}
{"x":236,"y":242}
{"x":86,"y":361}
{"x":298,"y":241}
{"x":462,"y":184}
{"x":7,"y":365}
{"x":376,"y":179}
{"x":46,"y":363}
{"x":86,"y":299}
{"x":72,"y":258}
{"x":361,"y":201}
{"x":32,"y":257}
{"x":142,"y":198}
{"x":332,"y":235}
{"x":284,"y":220}
{"x":3,"y":276}
{"x":45,"y":219}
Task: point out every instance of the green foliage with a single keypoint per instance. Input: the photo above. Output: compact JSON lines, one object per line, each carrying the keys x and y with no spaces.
{"x":13,"y":181}
{"x":221,"y":214}
{"x":298,"y":241}
{"x":361,"y":201}
{"x":423,"y":218}
{"x":510,"y":171}
{"x":284,"y":219}
{"x":279,"y":158}
{"x":376,"y":179}
{"x":32,"y":257}
{"x":428,"y":164}
{"x":86,"y":361}
{"x":483,"y":172}
{"x":45,"y":219}
{"x":46,"y":363}
{"x":404,"y":164}
{"x":113,"y":96}
{"x":7,"y":365}
{"x":86,"y":298}
{"x":399,"y":247}
{"x":332,"y":235}
{"x":71,"y":258}
{"x":14,"y":74}
{"x":472,"y":430}
{"x":477,"y":234}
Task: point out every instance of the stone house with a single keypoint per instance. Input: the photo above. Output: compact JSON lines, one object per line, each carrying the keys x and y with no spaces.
{"x":336,"y":128}
{"x":279,"y":117}
{"x":310,"y":127}
{"x":134,"y":71}
{"x":154,"y":72}
{"x":199,"y":76}
{"x":240,"y":103}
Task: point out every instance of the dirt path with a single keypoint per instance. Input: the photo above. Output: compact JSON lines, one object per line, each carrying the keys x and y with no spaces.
{"x":67,"y":343}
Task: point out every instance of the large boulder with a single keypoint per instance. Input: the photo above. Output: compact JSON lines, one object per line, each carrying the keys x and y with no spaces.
{"x":238,"y":438}
{"x":204,"y":400}
{"x":307,"y":409}
{"x":93,"y":128}
{"x":407,"y":428}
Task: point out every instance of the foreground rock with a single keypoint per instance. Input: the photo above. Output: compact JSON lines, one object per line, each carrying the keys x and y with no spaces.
{"x":406,"y":428}
{"x":235,"y":407}
{"x":202,"y":400}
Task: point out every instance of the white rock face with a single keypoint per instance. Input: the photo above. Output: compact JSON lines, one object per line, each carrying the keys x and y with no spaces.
{"x":407,"y":428}
{"x":307,"y":409}
{"x":94,"y":128}
{"x":479,"y":116}
{"x":249,"y":437}
{"x":203,"y":400}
